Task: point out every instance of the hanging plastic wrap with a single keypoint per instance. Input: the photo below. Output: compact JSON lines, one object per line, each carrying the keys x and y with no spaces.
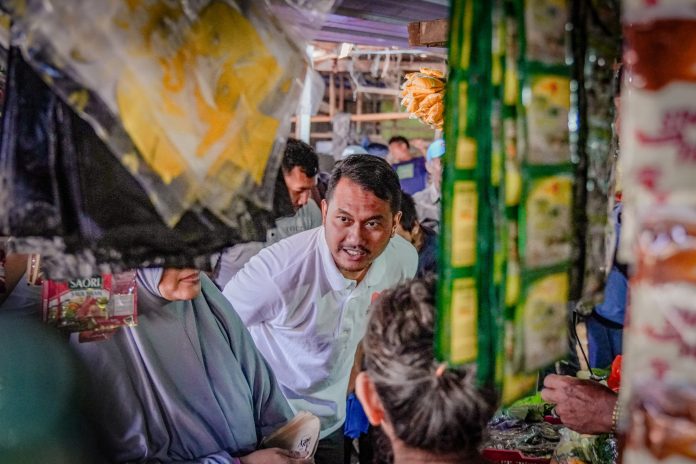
{"x":193,"y":97}
{"x":68,"y":198}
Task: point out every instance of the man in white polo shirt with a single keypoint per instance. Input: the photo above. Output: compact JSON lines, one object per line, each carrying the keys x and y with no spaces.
{"x":305,"y":299}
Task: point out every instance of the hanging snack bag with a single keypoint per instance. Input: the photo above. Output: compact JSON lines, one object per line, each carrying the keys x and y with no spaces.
{"x":547,"y":120}
{"x":97,"y":305}
{"x":542,"y":322}
{"x":548,"y":229}
{"x":545,"y":30}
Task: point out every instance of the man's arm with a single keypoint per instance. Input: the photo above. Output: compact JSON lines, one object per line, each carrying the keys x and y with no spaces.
{"x":253,"y":292}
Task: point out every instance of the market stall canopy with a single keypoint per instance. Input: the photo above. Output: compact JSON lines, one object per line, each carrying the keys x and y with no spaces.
{"x":382,"y":23}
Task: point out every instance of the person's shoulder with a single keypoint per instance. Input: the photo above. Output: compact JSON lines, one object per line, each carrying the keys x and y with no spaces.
{"x":291,"y":252}
{"x":421,"y":195}
{"x":401,"y":253}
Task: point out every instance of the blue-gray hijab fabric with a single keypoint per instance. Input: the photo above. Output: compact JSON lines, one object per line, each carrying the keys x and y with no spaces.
{"x":187,"y":384}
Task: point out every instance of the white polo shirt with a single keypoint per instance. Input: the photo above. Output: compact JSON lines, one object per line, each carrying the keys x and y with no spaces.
{"x":307,"y":319}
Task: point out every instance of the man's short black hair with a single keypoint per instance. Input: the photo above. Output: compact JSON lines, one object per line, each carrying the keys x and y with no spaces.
{"x":400,"y":138}
{"x":298,"y":153}
{"x":371,"y":173}
{"x":409,"y":217}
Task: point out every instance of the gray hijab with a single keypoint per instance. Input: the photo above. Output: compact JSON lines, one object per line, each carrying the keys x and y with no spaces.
{"x":186,"y":384}
{"x":149,"y":279}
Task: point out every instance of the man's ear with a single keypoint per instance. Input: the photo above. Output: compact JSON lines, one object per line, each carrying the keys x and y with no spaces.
{"x":324,"y":209}
{"x":367,"y":394}
{"x":416,"y":228}
{"x":397,"y":220}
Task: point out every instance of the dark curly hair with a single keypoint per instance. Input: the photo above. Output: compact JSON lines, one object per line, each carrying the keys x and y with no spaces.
{"x":441,"y":412}
{"x":298,"y":153}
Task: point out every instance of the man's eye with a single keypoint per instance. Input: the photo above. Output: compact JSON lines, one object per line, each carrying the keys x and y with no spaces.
{"x":372,"y":224}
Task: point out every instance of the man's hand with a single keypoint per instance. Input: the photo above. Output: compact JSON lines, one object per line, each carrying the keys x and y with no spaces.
{"x":275,"y":456}
{"x":585,"y":406}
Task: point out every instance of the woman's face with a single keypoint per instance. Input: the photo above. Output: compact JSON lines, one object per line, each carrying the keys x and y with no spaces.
{"x":180,"y":284}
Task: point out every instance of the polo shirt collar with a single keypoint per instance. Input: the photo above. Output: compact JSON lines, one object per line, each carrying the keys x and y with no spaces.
{"x":333,"y":274}
{"x":337,"y":281}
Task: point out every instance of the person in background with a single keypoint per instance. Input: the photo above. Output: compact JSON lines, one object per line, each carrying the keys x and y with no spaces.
{"x":187,"y":383}
{"x":353,"y":150}
{"x":299,"y":171}
{"x":399,"y":150}
{"x":421,"y":237}
{"x":429,"y":411}
{"x":411,"y":170}
{"x":20,"y":297}
{"x":305,"y":299}
{"x":428,"y":200}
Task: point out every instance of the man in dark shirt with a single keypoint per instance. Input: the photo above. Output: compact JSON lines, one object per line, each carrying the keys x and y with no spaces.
{"x":422,"y":237}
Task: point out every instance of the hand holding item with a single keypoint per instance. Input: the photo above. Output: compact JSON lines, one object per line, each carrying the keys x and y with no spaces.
{"x":584,"y":406}
{"x":275,"y":456}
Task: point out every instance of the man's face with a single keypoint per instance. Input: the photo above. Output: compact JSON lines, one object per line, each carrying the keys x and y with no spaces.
{"x":399,"y":152}
{"x":358,"y":226}
{"x":299,"y":186}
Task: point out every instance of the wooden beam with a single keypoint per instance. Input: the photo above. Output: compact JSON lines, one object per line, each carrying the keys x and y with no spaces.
{"x":364,"y":65}
{"x":367,"y":117}
{"x":428,"y":33}
{"x":359,"y":107}
{"x":332,"y":93}
{"x":321,"y":135}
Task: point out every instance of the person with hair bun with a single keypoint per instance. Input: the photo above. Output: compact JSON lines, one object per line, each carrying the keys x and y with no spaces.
{"x":429,"y":411}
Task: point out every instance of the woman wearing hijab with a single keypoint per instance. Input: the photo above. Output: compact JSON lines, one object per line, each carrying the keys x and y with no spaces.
{"x":187,"y":384}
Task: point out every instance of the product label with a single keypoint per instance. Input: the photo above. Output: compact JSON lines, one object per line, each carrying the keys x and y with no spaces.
{"x":547,"y":114}
{"x":545,"y":320}
{"x":549,"y":227}
{"x":464,"y":222}
{"x":464,"y":326}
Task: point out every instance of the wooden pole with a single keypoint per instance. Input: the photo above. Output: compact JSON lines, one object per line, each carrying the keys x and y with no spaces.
{"x":332,"y":93}
{"x":341,"y":94}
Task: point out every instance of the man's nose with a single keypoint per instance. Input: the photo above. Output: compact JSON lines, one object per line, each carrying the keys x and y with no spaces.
{"x":355,"y":235}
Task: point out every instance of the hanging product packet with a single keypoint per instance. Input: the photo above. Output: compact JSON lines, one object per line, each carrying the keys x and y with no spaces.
{"x":544,"y":221}
{"x":515,"y":383}
{"x":547,"y":119}
{"x":545,"y":22}
{"x":659,"y":231}
{"x":658,"y":113}
{"x":94,"y":306}
{"x":465,"y":332}
{"x":193,"y":98}
{"x":547,"y":238}
{"x":658,"y":379}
